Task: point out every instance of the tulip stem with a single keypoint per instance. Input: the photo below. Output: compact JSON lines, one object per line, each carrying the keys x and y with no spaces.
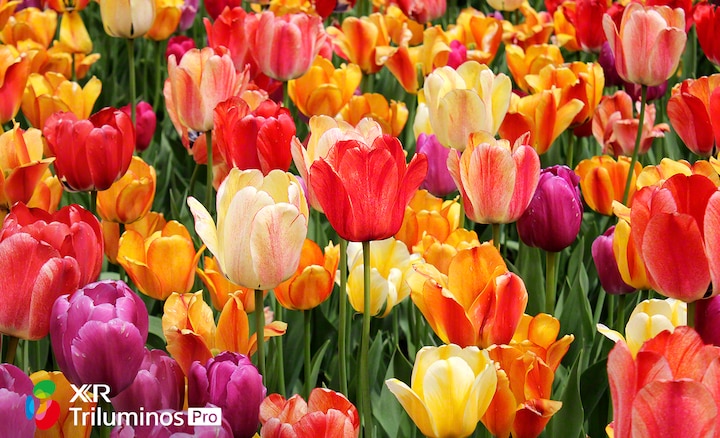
{"x":620,"y":323}
{"x":12,"y":343}
{"x":550,"y":281}
{"x":131,"y":68}
{"x":342,"y":334}
{"x":571,"y":150}
{"x":496,"y":235}
{"x":93,"y":201}
{"x":307,"y":320}
{"x":638,"y":138}
{"x":209,"y":189}
{"x":158,"y":76}
{"x":691,"y":307}
{"x":260,"y":331}
{"x":280,"y":350}
{"x":366,"y":407}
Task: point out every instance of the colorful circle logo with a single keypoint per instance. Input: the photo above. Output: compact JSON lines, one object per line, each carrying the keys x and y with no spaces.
{"x":48,"y":411}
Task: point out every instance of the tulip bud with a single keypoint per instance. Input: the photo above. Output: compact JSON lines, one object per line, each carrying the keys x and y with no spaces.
{"x":606,"y":265}
{"x":146,"y":123}
{"x":178,"y":45}
{"x":127,"y":18}
{"x":552,"y":220}
{"x":15,"y":389}
{"x":230,"y":381}
{"x":707,"y":320}
{"x":438,"y":180}
{"x":98,"y":334}
{"x":159,"y":384}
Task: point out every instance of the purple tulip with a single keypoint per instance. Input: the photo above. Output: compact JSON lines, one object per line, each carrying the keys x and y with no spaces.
{"x":159,"y":385}
{"x":187,"y":17}
{"x":552,"y":220}
{"x":179,"y":430}
{"x":606,"y":265}
{"x":230,"y":381}
{"x":438,"y":180}
{"x":707,"y":320}
{"x":15,"y":388}
{"x":98,"y":334}
{"x":458,"y":54}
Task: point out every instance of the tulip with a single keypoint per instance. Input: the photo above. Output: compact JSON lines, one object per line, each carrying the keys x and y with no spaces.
{"x":228,"y":31}
{"x":167,"y":19}
{"x":707,"y":19}
{"x":51,"y":93}
{"x":602,"y":181}
{"x":270,"y":211}
{"x":427,"y":215}
{"x":565,"y":32}
{"x":323,"y":89}
{"x":127,"y":18}
{"x":648,"y":36}
{"x":7,"y":8}
{"x":220,"y":288}
{"x":197,"y":84}
{"x":438,"y":180}
{"x":606,"y":265}
{"x":90,"y":154}
{"x":145,"y":123}
{"x":327,"y":413}
{"x":552,"y":220}
{"x":159,"y":384}
{"x":535,"y":29}
{"x":22,"y":167}
{"x":130,"y":197}
{"x":440,"y":253}
{"x":423,"y":11}
{"x":587,"y":14}
{"x":391,"y":116}
{"x":527,"y":62}
{"x":32,"y":24}
{"x":496,"y":181}
{"x":689,"y":109}
{"x":178,"y":46}
{"x":628,"y":257}
{"x":683,"y":381}
{"x":254,"y":138}
{"x":47,"y":193}
{"x":657,"y":174}
{"x":480,"y":307}
{"x":440,"y":409}
{"x":162,"y":263}
{"x":357,"y":41}
{"x":466,"y":100}
{"x":59,"y":252}
{"x":538,"y":334}
{"x":63,"y":425}
{"x":216,"y":7}
{"x":146,"y":225}
{"x":16,"y":388}
{"x":271,"y":35}
{"x":14,"y":75}
{"x":98,"y":334}
{"x":375,"y":185}
{"x":231,"y":382}
{"x":706,"y":320}
{"x":615,"y":127}
{"x":313,"y":281}
{"x":179,"y":428}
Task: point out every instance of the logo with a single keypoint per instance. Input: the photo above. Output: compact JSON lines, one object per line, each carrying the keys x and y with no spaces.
{"x":204,"y":416}
{"x":89,"y":393}
{"x":48,"y":411}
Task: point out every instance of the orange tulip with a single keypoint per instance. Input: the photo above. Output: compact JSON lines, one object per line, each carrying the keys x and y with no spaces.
{"x":648,"y":44}
{"x":162,"y":263}
{"x":66,"y":425}
{"x":530,"y":61}
{"x":130,"y":197}
{"x":479,"y":302}
{"x":57,"y":59}
{"x":167,"y":19}
{"x":536,"y":29}
{"x":47,"y":193}
{"x":657,"y":174}
{"x":51,"y":93}
{"x":220,"y":288}
{"x":602,"y":181}
{"x":691,"y":110}
{"x":357,"y":39}
{"x":74,"y":36}
{"x":496,"y":181}
{"x":484,"y":32}
{"x":543,"y":114}
{"x":564,"y":28}
{"x":7,"y":8}
{"x":147,"y":225}
{"x":427,"y":215}
{"x":314,"y":279}
{"x":22,"y":167}
{"x":323,"y":89}
{"x":615,"y":127}
{"x":440,"y":253}
{"x":30,"y":24}
{"x":14,"y":71}
{"x":391,"y":116}
{"x":628,"y":258}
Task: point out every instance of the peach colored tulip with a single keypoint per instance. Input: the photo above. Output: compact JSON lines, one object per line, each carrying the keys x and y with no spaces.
{"x":130,"y":197}
{"x":323,"y":89}
{"x":314,"y":279}
{"x":602,"y":181}
{"x":479,"y":302}
{"x":270,"y":211}
{"x":162,"y":263}
{"x":496,"y":181}
{"x":648,"y":44}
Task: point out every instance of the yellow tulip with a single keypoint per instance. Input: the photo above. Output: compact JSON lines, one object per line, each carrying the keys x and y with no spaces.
{"x":167,"y":19}
{"x":450,"y":390}
{"x":391,"y":116}
{"x":130,"y":197}
{"x":52,"y":92}
{"x":127,"y":18}
{"x":323,"y":89}
{"x":528,"y":62}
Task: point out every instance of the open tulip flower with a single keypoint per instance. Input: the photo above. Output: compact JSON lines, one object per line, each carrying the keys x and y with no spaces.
{"x":323,"y":89}
{"x":358,"y":39}
{"x":14,"y":74}
{"x":438,"y":407}
{"x":691,"y":110}
{"x":220,"y":288}
{"x":427,"y":215}
{"x":130,"y":197}
{"x":602,"y":181}
{"x":657,"y":174}
{"x":326,"y":414}
{"x":391,"y":115}
{"x":314,"y":279}
{"x":522,"y":63}
{"x":477,"y":303}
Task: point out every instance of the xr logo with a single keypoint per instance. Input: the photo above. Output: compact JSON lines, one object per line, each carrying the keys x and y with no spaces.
{"x":48,"y":411}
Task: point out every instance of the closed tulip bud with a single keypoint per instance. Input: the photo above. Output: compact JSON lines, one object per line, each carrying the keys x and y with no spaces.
{"x":130,"y":197}
{"x":146,"y":123}
{"x":438,"y":180}
{"x":167,"y":19}
{"x":98,"y":334}
{"x":127,"y":18}
{"x":226,"y":33}
{"x":16,"y":388}
{"x":178,"y":45}
{"x":691,"y":110}
{"x":707,"y":318}
{"x":606,"y":265}
{"x":159,"y":384}
{"x":90,"y":154}
{"x":602,"y":181}
{"x":442,"y":410}
{"x":231,"y":382}
{"x":189,"y":11}
{"x":552,"y":220}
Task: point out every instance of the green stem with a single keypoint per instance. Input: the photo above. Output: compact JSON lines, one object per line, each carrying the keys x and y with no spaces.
{"x":571,"y":150}
{"x":158,"y":75}
{"x":342,"y":335}
{"x":131,"y":68}
{"x":193,"y":178}
{"x":368,"y":82}
{"x":643,"y":95}
{"x":620,"y":323}
{"x":691,"y":312}
{"x":307,"y":320}
{"x":260,"y":331}
{"x":93,"y":201}
{"x":611,"y":310}
{"x":366,"y":407}
{"x":209,"y":189}
{"x":12,"y":343}
{"x":496,"y":235}
{"x":280,"y":353}
{"x":550,"y":281}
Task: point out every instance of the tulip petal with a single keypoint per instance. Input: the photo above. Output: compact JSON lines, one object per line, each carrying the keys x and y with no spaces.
{"x":712,"y":242}
{"x":622,"y":378}
{"x":205,"y":226}
{"x":412,"y":404}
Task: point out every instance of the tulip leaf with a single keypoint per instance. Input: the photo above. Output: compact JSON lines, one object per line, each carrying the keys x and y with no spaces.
{"x":37,"y":354}
{"x":316,"y":362}
{"x":568,"y":421}
{"x":529,"y":267}
{"x":390,"y":415}
{"x":595,"y":397}
{"x":156,"y":338}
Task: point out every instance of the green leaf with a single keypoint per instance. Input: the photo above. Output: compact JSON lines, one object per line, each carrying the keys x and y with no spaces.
{"x":568,"y":421}
{"x":529,"y":267}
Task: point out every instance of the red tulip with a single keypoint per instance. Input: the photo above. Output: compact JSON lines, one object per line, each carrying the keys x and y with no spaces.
{"x":254,"y":139}
{"x":707,"y":21}
{"x":691,"y":110}
{"x":90,"y":154}
{"x":423,"y":11}
{"x":227,"y":33}
{"x":364,"y":189}
{"x":588,"y":13}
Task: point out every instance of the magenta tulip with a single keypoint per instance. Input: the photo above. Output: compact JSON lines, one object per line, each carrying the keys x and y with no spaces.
{"x":438,"y":180}
{"x":606,"y":264}
{"x":15,"y":388}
